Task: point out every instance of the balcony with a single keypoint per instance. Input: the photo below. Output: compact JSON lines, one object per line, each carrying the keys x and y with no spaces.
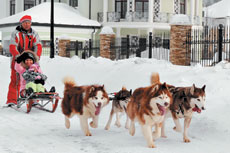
{"x":134,"y":17}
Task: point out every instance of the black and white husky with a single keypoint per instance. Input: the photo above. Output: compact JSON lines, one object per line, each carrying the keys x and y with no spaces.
{"x":186,"y":101}
{"x":119,"y":105}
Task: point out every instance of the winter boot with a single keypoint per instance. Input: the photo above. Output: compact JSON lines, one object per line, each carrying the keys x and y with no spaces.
{"x":52,"y":89}
{"x":29,"y":91}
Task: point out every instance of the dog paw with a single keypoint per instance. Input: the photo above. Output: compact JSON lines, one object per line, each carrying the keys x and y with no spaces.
{"x":186,"y":140}
{"x":93,"y":125}
{"x":151,"y":146}
{"x":118,"y":124}
{"x":132,"y":132}
{"x":67,"y":125}
{"x":177,"y":129}
{"x":155,"y":135}
{"x":164,"y":136}
{"x":88,"y":134}
{"x":106,"y":128}
{"x":127,"y":126}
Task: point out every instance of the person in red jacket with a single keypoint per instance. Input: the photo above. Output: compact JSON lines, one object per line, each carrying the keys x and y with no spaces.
{"x":22,"y":39}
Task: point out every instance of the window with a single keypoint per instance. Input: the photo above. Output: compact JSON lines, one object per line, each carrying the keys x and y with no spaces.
{"x":121,"y":7}
{"x":28,"y":4}
{"x":182,"y":7}
{"x":12,"y":7}
{"x":73,"y":3}
{"x":142,"y":5}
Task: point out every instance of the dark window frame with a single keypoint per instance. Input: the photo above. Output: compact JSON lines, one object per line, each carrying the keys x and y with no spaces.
{"x":123,"y":7}
{"x":12,"y":7}
{"x":183,"y":5}
{"x":73,"y":3}
{"x":29,"y":5}
{"x":143,"y":4}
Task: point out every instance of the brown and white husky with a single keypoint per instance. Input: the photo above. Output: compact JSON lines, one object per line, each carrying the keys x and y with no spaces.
{"x":148,"y":106}
{"x":186,"y":101}
{"x":83,"y":101}
{"x":119,"y":105}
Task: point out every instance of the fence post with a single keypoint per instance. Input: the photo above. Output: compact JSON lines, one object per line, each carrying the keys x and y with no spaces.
{"x":90,"y":47}
{"x":76,"y":49}
{"x":220,"y":43}
{"x":150,"y":44}
{"x":127,"y":55}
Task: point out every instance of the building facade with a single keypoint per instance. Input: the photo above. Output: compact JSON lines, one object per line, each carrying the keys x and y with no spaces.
{"x":141,"y":16}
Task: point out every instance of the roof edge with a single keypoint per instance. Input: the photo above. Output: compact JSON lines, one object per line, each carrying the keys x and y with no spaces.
{"x":55,"y":25}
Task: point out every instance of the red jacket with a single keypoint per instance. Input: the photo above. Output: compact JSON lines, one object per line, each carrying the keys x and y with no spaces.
{"x":22,"y":40}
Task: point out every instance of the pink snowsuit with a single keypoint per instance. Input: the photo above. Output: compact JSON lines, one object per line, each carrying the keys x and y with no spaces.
{"x":20,"y":69}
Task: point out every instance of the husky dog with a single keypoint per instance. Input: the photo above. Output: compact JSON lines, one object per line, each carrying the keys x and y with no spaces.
{"x":119,"y":105}
{"x":186,"y":100}
{"x":84,"y":101}
{"x":148,"y":106}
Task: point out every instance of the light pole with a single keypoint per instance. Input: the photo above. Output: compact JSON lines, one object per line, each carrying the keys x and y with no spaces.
{"x":52,"y":30}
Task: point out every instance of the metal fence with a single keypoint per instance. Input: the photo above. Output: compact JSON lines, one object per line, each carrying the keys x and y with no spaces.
{"x":209,"y":45}
{"x":83,"y":49}
{"x":146,"y":46}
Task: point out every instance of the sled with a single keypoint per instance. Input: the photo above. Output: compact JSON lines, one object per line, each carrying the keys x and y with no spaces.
{"x":39,"y":101}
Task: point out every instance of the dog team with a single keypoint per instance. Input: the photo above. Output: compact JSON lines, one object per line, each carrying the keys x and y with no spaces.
{"x":149,"y":106}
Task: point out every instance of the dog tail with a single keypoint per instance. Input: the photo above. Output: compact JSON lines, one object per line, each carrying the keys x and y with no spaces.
{"x":69,"y":82}
{"x":155,"y":78}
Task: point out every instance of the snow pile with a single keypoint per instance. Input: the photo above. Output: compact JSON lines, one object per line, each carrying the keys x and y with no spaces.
{"x":180,"y":19}
{"x":106,"y":30}
{"x":44,"y":132}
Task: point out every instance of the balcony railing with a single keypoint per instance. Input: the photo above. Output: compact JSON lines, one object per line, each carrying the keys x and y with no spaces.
{"x":137,"y":16}
{"x":160,"y":17}
{"x":113,"y":16}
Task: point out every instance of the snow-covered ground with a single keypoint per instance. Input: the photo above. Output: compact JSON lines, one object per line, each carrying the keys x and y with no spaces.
{"x":42,"y":132}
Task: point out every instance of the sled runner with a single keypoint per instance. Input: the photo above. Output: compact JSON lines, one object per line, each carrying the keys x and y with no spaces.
{"x":39,"y":101}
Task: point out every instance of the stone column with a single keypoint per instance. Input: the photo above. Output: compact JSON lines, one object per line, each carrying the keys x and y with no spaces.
{"x":179,"y":54}
{"x":1,"y":50}
{"x":105,"y":10}
{"x":151,"y":11}
{"x":107,"y":38}
{"x":192,"y":10}
{"x":63,"y":48}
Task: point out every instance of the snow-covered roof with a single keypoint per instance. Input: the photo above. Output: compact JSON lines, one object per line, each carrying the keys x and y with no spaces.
{"x":219,"y":9}
{"x":63,"y":14}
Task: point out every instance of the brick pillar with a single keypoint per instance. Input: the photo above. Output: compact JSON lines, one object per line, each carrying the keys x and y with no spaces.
{"x":179,"y":55}
{"x":106,"y":40}
{"x":63,"y":48}
{"x":1,"y":50}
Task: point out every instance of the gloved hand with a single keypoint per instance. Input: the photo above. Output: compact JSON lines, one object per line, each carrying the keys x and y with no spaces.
{"x":16,"y":58}
{"x":38,"y":77}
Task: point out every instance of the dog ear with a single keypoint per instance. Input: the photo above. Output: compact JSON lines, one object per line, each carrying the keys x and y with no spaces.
{"x":91,"y":89}
{"x":130,"y":91}
{"x":154,"y":88}
{"x":123,"y":88}
{"x":203,"y":88}
{"x":192,"y":90}
{"x":164,"y":86}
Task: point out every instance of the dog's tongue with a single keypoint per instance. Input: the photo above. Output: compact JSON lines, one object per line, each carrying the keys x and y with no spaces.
{"x":161,"y":109}
{"x":196,"y":109}
{"x":98,"y":109}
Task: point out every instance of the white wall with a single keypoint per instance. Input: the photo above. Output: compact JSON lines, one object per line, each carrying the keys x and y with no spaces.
{"x":4,"y":8}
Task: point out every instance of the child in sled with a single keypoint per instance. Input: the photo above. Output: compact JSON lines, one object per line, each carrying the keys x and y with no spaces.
{"x":31,"y":77}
